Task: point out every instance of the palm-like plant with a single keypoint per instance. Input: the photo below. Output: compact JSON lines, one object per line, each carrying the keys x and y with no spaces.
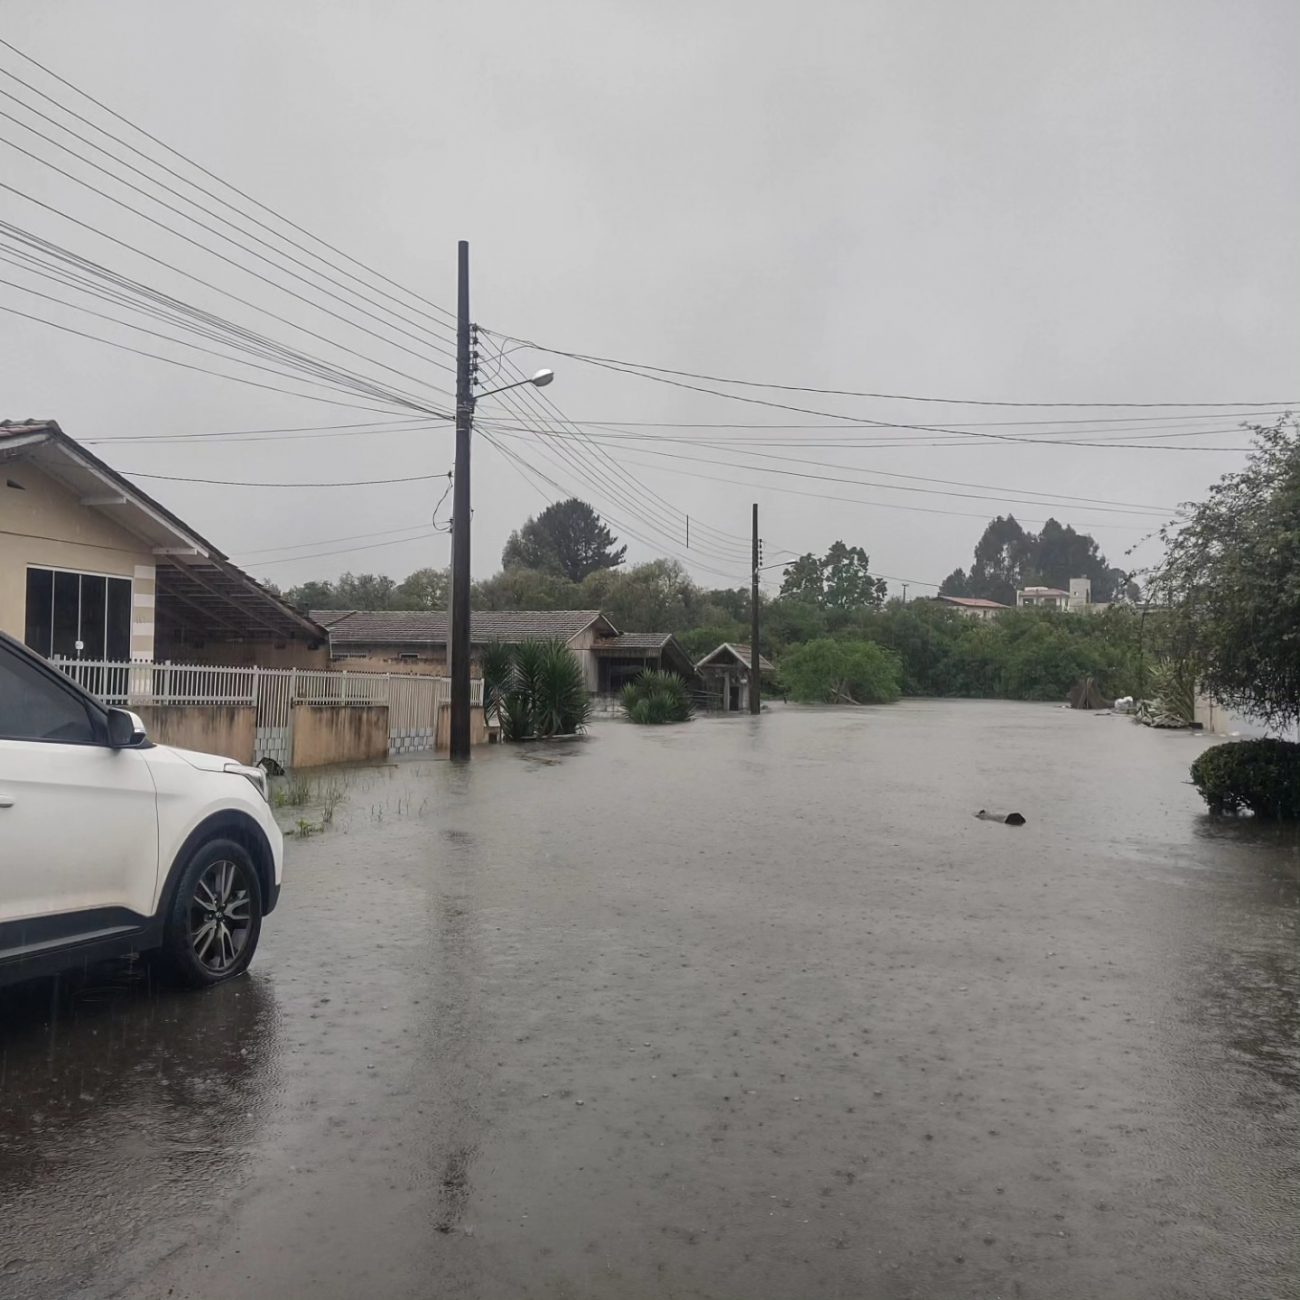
{"x":535,"y":690}
{"x":657,"y":697}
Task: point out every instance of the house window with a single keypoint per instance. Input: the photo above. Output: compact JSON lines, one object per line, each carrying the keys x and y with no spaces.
{"x":64,"y":608}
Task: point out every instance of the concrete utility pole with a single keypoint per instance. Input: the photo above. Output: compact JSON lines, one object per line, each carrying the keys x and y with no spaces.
{"x":458,"y":638}
{"x":755,"y":673}
{"x":905,"y":586}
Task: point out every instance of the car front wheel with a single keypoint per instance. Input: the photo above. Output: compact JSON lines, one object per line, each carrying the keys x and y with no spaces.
{"x":216,"y":916}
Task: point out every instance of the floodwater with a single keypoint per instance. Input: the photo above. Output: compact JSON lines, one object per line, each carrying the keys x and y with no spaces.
{"x":746,"y":1008}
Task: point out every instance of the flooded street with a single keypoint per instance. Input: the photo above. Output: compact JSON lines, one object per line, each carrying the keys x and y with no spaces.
{"x":744,"y":1009}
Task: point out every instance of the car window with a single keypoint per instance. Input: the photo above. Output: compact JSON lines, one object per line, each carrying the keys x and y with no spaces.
{"x":35,"y":707}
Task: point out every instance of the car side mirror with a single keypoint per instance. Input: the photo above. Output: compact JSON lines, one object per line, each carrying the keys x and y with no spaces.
{"x":125,"y":729}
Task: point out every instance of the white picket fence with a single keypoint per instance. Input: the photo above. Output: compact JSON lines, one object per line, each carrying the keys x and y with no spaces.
{"x":413,"y":701}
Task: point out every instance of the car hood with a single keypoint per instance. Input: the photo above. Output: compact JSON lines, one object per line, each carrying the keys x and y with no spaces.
{"x":204,"y":762}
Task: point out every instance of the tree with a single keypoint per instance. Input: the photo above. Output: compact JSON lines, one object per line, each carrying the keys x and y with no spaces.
{"x":955,"y":584}
{"x":1231,"y":580}
{"x":526,"y":589}
{"x":425,"y":589}
{"x":1007,"y":558}
{"x":841,"y":672}
{"x":313,"y":595}
{"x":840,"y":580}
{"x":658,"y":596}
{"x":566,"y":538}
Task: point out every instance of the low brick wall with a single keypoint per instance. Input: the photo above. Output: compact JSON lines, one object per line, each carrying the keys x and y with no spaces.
{"x":338,"y":733}
{"x":225,"y":729}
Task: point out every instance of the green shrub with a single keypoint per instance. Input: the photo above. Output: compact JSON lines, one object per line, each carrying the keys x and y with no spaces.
{"x":841,"y":672}
{"x":656,"y":697}
{"x":1262,"y":776}
{"x":534,"y":690}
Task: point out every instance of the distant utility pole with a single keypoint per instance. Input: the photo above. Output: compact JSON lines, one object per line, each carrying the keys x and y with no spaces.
{"x":755,"y":674}
{"x":458,"y":637}
{"x":905,"y":593}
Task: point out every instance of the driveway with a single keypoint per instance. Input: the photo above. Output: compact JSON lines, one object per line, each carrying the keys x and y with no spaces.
{"x":747,"y":1008}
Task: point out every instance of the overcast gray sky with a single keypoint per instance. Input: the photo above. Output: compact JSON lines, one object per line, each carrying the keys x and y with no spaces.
{"x":1035,"y":201}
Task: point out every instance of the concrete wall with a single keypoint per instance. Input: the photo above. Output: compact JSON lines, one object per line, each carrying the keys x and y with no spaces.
{"x":349,"y":733}
{"x":44,"y":524}
{"x":378,"y":661}
{"x":242,"y":654}
{"x":225,"y":729}
{"x":478,"y":733}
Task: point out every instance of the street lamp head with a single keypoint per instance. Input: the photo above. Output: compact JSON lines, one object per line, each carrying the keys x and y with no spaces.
{"x":542,"y":378}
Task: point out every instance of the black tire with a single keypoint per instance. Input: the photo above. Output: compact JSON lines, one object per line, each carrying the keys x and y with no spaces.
{"x":212,"y":929}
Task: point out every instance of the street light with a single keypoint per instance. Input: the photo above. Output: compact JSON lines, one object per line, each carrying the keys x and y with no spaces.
{"x":459,"y":635}
{"x":539,"y":380}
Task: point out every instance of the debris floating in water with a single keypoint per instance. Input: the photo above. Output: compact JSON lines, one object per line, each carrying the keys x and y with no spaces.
{"x":1011,"y":818}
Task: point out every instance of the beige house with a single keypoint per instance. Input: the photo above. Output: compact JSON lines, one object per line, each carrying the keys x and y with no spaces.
{"x":93,"y":568}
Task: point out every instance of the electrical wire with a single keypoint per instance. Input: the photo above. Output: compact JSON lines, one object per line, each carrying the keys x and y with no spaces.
{"x":185,"y":199}
{"x":635,"y":366}
{"x":219,"y":180}
{"x":185,"y":365}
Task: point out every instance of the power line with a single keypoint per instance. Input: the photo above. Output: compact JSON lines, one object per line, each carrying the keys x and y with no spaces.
{"x":636,"y":366}
{"x":731,"y":541}
{"x":234,"y":189}
{"x":72,"y":270}
{"x":230,"y":261}
{"x":523,"y":465}
{"x":202,"y":225}
{"x":330,"y":541}
{"x":185,"y":365}
{"x":226,"y":482}
{"x":883,"y":505}
{"x":347,"y":550}
{"x":892,"y":487}
{"x":374,"y":392}
{"x":255,"y":434}
{"x":38,"y":241}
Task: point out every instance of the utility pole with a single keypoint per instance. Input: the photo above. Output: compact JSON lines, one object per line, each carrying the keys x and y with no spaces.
{"x":905,"y":586}
{"x":755,"y":673}
{"x":459,"y":636}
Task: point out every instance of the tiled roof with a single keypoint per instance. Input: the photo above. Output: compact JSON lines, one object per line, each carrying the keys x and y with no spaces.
{"x":741,"y":653}
{"x":637,"y":641}
{"x":1043,"y":591}
{"x":970,"y":602}
{"x":361,"y":627}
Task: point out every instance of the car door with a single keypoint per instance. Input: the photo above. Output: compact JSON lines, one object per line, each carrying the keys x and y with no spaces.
{"x":78,"y":819}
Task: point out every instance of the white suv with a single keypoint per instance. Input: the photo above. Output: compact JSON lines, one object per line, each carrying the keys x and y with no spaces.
{"x":110,"y":844}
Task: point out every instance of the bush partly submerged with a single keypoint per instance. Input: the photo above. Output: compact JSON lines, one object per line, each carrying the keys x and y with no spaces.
{"x":657,"y":697}
{"x":1260,"y":776}
{"x":841,"y":672}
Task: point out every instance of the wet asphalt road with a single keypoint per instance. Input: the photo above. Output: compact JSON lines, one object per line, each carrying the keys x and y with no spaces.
{"x":734,"y":1009}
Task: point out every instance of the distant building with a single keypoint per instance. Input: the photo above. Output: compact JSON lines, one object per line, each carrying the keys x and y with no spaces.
{"x":1042,"y":598}
{"x":1078,"y":600}
{"x":974,"y":606}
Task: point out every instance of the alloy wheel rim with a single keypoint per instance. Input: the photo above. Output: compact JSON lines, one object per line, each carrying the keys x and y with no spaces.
{"x":221,"y":915}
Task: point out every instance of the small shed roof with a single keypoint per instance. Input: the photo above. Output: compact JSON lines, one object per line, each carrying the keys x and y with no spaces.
{"x":728,"y":652}
{"x":662,"y":646}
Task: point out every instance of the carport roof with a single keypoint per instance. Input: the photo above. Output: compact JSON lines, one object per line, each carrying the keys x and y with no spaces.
{"x":198,"y":587}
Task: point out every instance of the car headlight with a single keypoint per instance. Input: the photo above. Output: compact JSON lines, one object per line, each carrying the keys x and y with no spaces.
{"x":254,"y":775}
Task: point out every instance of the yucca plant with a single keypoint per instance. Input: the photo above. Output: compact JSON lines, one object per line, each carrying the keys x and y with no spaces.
{"x":656,"y":697}
{"x":535,"y":690}
{"x":498,"y":667}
